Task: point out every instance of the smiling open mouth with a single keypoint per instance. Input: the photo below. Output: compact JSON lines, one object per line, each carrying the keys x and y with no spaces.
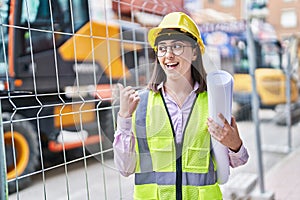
{"x":172,"y":65}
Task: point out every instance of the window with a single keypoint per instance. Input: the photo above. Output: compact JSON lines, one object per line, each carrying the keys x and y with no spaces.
{"x":228,"y":3}
{"x":37,"y":13}
{"x":288,"y":18}
{"x":270,"y":55}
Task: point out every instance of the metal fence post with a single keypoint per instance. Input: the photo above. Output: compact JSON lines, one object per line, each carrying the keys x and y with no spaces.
{"x":3,"y":183}
{"x":255,"y":105}
{"x":255,"y":108}
{"x":288,"y":101}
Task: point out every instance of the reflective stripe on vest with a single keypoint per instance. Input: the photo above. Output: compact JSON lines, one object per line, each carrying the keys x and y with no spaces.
{"x":168,"y":178}
{"x":156,"y":163}
{"x":140,"y":130}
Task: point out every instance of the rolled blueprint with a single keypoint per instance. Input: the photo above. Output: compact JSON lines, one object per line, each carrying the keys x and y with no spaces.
{"x":219,"y":90}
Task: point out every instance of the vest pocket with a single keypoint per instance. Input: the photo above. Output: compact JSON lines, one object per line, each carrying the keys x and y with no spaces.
{"x":197,"y":158}
{"x":162,"y":153}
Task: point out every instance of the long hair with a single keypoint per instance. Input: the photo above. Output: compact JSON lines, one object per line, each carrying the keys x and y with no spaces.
{"x":198,"y":71}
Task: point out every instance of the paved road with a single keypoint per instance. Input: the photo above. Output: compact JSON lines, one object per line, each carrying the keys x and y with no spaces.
{"x":93,"y":180}
{"x":79,"y":181}
{"x":274,"y":141}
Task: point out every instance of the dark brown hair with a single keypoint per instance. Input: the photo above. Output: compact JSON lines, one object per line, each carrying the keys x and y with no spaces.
{"x":198,"y":71}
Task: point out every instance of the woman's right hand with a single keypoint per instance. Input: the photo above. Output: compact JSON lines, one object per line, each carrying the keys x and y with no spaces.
{"x":129,"y":100}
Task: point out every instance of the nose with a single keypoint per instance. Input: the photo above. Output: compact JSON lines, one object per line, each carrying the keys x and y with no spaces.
{"x":169,"y":53}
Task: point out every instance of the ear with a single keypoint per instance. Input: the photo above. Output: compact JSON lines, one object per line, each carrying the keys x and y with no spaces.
{"x":194,"y":54}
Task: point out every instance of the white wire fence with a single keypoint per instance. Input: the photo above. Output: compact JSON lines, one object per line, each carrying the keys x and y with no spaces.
{"x":59,"y":63}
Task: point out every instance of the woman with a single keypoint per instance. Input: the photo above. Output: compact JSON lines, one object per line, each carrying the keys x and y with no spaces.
{"x":164,"y":133}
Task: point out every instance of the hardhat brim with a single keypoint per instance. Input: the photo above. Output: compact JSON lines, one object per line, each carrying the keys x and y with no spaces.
{"x":154,"y":32}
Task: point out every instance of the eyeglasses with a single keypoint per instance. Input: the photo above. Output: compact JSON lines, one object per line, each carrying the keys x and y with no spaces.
{"x":177,"y":49}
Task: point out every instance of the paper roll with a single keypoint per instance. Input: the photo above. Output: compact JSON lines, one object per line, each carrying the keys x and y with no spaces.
{"x":219,"y":90}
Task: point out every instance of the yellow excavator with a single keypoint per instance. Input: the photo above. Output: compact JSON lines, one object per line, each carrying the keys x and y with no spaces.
{"x":270,"y":74}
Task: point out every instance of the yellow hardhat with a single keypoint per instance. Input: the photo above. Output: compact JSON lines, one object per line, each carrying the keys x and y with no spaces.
{"x":178,"y":20}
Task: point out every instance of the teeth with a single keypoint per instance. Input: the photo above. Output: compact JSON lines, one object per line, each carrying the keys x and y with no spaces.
{"x":171,"y":64}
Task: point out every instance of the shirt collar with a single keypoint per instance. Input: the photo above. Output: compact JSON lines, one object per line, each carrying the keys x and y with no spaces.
{"x":161,"y":86}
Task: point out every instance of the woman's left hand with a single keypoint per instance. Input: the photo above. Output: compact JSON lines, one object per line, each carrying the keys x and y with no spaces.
{"x":228,"y":135}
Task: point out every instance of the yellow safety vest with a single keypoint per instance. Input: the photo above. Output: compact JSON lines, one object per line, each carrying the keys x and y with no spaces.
{"x":166,"y":170}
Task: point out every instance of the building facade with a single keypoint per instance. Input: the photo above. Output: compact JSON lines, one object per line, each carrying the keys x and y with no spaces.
{"x":283,"y":15}
{"x":233,"y":7}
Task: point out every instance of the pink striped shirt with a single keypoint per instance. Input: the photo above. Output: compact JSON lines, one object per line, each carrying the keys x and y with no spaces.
{"x":124,"y":142}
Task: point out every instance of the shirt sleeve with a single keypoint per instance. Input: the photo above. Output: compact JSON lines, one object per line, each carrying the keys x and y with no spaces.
{"x":124,"y":147}
{"x":238,"y":158}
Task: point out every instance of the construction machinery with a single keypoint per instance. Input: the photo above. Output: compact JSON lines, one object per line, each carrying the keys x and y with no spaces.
{"x":58,"y":68}
{"x":270,"y":76}
{"x":291,"y":110}
{"x":270,"y":73}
